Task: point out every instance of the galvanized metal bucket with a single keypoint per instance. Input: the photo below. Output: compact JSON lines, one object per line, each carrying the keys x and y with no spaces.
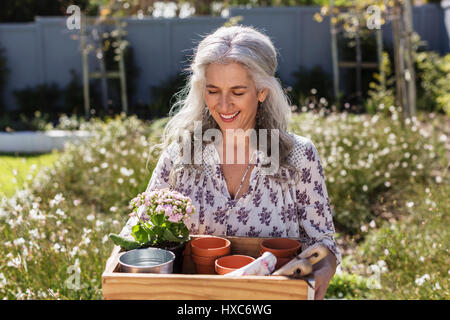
{"x":147,"y":260}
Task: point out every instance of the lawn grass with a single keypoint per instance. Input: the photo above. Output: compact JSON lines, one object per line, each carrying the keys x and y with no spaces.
{"x":16,"y":170}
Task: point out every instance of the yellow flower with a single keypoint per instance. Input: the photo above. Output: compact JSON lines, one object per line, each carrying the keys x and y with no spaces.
{"x":104,"y":12}
{"x":318,"y":17}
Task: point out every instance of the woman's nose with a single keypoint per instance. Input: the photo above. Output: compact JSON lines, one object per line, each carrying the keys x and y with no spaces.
{"x":225,"y":104}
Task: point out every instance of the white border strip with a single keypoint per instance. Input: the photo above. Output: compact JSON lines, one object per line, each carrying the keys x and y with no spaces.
{"x":311,"y":291}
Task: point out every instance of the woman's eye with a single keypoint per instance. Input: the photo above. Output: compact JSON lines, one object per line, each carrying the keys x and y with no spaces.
{"x":238,"y":94}
{"x":212,"y":92}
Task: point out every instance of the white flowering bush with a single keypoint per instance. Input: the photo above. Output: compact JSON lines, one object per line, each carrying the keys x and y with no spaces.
{"x":106,"y":171}
{"x":366,"y":156}
{"x":411,"y":255}
{"x":54,"y":232}
{"x":52,"y":248}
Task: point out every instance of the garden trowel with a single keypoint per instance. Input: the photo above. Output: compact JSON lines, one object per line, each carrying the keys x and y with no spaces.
{"x":302,"y":264}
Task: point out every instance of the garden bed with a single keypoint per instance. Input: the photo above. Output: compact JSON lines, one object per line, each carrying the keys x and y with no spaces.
{"x":187,"y":286}
{"x":39,"y":141}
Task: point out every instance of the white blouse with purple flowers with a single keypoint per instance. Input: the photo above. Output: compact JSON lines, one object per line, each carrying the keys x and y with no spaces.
{"x":269,"y":208}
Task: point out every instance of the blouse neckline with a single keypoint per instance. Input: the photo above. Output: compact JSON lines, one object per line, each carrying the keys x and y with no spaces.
{"x":215,"y":157}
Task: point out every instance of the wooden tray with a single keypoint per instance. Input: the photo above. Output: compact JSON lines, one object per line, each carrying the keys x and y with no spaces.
{"x":191,"y":286}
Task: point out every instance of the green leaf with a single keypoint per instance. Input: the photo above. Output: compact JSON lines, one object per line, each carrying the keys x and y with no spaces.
{"x":140,"y":234}
{"x":157,"y":219}
{"x":185,"y":232}
{"x":123,"y":242}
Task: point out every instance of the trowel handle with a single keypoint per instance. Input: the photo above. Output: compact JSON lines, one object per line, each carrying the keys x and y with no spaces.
{"x":314,"y":253}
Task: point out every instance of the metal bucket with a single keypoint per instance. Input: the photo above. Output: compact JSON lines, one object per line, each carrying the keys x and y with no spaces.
{"x":147,"y":260}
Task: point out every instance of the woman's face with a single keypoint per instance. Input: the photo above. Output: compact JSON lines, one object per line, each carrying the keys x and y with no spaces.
{"x":231,"y":96}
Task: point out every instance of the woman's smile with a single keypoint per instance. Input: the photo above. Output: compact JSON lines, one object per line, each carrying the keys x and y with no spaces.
{"x":229,"y":117}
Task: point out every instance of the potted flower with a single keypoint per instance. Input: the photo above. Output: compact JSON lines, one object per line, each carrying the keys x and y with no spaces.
{"x":162,"y":215}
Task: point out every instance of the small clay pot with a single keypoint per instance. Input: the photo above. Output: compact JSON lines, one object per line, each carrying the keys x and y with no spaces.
{"x":210,"y":246}
{"x":283,"y":248}
{"x":227,"y":264}
{"x":204,"y":265}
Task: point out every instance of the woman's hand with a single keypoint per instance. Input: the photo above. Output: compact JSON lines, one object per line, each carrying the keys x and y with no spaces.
{"x":323,"y":272}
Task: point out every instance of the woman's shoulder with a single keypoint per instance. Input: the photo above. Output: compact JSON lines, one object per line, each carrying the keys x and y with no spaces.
{"x":302,"y":148}
{"x":172,"y":151}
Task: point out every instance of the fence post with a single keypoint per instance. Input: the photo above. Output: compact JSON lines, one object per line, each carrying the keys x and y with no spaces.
{"x":445,"y":5}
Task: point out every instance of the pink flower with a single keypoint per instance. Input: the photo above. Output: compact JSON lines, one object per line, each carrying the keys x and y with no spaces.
{"x":175,"y":217}
{"x":159,"y":208}
{"x":168,"y":210}
{"x":189,"y":210}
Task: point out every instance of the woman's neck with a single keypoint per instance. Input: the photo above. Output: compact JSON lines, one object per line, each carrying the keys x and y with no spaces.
{"x":237,"y":148}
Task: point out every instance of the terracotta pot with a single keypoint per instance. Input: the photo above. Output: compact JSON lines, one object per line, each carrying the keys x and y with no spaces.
{"x":283,"y":248}
{"x":204,"y":265}
{"x":210,"y":246}
{"x":227,"y":264}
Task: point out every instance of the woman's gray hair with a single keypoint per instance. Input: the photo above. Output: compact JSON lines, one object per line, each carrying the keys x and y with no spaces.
{"x":256,"y":52}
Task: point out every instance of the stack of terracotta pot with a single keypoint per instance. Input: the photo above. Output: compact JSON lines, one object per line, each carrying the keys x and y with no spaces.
{"x":211,"y":255}
{"x":205,"y":251}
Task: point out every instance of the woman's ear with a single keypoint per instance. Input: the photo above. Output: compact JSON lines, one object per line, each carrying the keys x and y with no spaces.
{"x":262,"y":94}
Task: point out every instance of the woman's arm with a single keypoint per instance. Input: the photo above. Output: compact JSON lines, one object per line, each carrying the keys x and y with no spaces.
{"x":315,"y":217}
{"x":323,"y":271}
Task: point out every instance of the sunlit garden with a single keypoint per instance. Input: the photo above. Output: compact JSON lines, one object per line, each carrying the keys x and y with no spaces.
{"x":389,"y":199}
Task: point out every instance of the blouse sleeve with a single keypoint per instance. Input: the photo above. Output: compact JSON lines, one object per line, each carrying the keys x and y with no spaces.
{"x":160,"y":175}
{"x":315,"y":217}
{"x":158,"y":180}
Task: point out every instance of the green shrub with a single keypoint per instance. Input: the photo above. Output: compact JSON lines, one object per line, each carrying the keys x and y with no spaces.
{"x":312,"y":88}
{"x":414,"y":249}
{"x":73,"y":95}
{"x":47,"y":102}
{"x":347,"y":286}
{"x":40,"y":122}
{"x":110,"y":44}
{"x":43,"y":97}
{"x":347,"y":52}
{"x":434,"y":79}
{"x":26,"y":10}
{"x":163,"y":95}
{"x":363,"y":157}
{"x":381,"y":93}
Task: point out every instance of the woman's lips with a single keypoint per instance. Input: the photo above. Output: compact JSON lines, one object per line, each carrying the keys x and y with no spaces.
{"x":228,"y":119}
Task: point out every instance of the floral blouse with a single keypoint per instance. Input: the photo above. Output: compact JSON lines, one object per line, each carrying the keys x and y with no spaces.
{"x":268,"y":209}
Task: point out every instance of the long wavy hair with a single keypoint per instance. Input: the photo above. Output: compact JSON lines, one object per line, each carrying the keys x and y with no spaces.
{"x":256,"y":52}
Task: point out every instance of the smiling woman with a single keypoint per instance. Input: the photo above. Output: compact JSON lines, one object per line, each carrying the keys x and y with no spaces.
{"x":232,"y":88}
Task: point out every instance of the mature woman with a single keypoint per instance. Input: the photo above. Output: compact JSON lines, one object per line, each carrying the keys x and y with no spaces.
{"x":232,"y":86}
